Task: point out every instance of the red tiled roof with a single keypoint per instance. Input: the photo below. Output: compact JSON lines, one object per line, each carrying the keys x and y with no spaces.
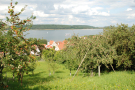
{"x":51,"y":42}
{"x":61,"y":45}
{"x":49,"y":46}
{"x":58,"y":42}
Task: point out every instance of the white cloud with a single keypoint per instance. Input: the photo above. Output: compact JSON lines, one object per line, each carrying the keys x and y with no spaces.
{"x":56,"y":7}
{"x":131,"y":16}
{"x":95,"y":12}
{"x":86,"y":12}
{"x":104,"y":14}
{"x":31,"y":7}
{"x":3,"y":9}
{"x":2,"y":16}
{"x":129,"y":9}
{"x":70,"y":16}
{"x":78,"y":9}
{"x":114,"y":22}
{"x":40,"y":14}
{"x":66,"y":6}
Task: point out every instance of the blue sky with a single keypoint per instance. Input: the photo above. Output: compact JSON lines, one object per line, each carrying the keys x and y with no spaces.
{"x":75,"y":12}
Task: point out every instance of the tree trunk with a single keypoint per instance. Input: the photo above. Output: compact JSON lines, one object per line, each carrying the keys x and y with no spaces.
{"x":13,"y":76}
{"x":87,"y":72}
{"x":77,"y":72}
{"x":91,"y":73}
{"x":53,"y":70}
{"x":49,"y":73}
{"x":70,"y":72}
{"x":1,"y":68}
{"x":4,"y":54}
{"x":112,"y":67}
{"x":99,"y":70}
{"x":21,"y":78}
{"x":80,"y":64}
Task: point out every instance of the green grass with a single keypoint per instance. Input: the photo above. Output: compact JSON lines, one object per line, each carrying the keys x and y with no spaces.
{"x":61,"y":80}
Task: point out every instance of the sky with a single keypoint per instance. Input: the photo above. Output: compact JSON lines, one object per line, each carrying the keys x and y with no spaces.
{"x":97,"y":13}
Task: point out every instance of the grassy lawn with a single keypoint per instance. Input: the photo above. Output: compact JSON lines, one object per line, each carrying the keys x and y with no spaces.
{"x":61,"y":80}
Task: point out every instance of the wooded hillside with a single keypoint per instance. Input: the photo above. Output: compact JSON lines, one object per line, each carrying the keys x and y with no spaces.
{"x":53,"y":26}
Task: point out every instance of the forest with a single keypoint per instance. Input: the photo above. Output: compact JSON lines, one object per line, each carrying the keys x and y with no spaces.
{"x":53,"y":26}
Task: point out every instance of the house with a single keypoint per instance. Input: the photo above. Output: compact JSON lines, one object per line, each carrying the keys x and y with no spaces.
{"x":37,"y":50}
{"x":61,"y":44}
{"x":58,"y":45}
{"x":52,"y":44}
{"x":48,"y":46}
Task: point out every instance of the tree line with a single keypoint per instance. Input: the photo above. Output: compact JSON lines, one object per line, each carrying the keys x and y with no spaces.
{"x":53,"y":26}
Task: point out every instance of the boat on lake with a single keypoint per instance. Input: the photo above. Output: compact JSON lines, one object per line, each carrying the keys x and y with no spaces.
{"x":67,"y":34}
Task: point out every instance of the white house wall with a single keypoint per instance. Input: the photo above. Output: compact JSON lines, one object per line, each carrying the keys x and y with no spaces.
{"x":48,"y":43}
{"x":56,"y":46}
{"x":37,"y":50}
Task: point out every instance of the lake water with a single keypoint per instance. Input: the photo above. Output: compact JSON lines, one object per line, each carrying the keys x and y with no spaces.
{"x":60,"y":35}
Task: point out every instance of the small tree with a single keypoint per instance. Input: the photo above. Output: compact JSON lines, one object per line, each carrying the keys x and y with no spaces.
{"x":48,"y":56}
{"x":15,"y":47}
{"x":102,"y":52}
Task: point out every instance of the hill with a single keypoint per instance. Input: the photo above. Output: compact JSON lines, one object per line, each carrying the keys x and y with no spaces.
{"x":53,"y":26}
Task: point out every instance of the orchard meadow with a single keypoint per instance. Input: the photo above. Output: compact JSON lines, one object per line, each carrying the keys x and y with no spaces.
{"x":97,"y":62}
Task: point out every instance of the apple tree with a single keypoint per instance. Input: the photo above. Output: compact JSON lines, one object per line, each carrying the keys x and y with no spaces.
{"x":15,"y":47}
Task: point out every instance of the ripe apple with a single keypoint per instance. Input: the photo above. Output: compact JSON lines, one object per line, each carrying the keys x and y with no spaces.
{"x":12,"y":68}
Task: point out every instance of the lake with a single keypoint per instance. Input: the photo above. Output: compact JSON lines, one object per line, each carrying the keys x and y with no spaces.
{"x":60,"y":35}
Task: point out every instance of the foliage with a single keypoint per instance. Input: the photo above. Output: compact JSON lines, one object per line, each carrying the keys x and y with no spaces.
{"x":114,"y":49}
{"x":58,"y":57}
{"x":37,"y":41}
{"x":15,"y":47}
{"x":122,"y":39}
{"x":51,"y":26}
{"x":48,"y":56}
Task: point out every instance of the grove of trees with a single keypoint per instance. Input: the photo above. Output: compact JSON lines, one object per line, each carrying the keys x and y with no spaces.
{"x":114,"y":49}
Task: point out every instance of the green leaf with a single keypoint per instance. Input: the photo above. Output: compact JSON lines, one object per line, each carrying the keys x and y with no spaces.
{"x":16,"y":3}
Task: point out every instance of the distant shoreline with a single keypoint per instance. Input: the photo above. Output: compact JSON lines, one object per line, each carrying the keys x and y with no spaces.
{"x":62,"y":29}
{"x":65,"y":29}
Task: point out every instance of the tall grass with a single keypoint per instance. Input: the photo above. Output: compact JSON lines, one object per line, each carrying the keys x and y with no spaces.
{"x":61,"y":80}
